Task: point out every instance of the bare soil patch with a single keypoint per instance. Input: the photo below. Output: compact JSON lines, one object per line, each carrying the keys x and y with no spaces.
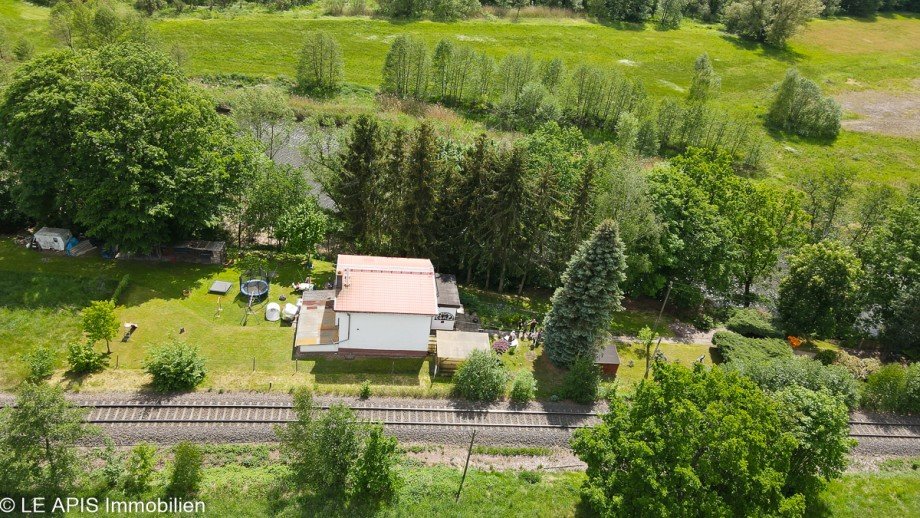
{"x":887,"y":113}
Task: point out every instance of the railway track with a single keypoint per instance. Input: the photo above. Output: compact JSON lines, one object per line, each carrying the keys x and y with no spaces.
{"x":403,"y":416}
{"x":266,"y":414}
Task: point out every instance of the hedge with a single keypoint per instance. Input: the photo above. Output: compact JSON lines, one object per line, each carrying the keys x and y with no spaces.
{"x":752,"y":323}
{"x":122,"y":285}
{"x":736,"y":348}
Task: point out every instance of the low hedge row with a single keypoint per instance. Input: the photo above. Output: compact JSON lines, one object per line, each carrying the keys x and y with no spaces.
{"x":736,"y":348}
{"x":752,"y":323}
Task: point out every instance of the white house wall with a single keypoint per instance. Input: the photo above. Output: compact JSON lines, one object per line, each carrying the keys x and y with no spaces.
{"x":383,"y":331}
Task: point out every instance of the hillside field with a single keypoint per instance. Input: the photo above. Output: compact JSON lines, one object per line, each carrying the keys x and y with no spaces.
{"x":843,"y":55}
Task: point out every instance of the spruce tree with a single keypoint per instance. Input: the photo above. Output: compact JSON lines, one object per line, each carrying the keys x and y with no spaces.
{"x":589,"y":295}
{"x":422,"y":169}
{"x":353,"y":188}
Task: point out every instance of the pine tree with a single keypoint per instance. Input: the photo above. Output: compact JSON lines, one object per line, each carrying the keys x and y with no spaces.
{"x":589,"y":295}
{"x":422,"y":168}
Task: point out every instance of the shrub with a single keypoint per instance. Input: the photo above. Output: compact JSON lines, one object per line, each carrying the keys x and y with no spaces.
{"x":375,"y":479}
{"x":704,"y":322}
{"x":885,"y":389}
{"x":524,"y":387}
{"x":84,"y":359}
{"x":481,"y":377}
{"x":139,"y":469}
{"x":826,"y":356}
{"x":912,"y":389}
{"x":752,"y":323}
{"x":800,"y":107}
{"x":501,"y":346}
{"x":531,"y":477}
{"x":41,"y":364}
{"x":736,"y":348}
{"x":175,"y":366}
{"x":860,"y":368}
{"x":582,"y":380}
{"x":122,"y":286}
{"x":365,"y":389}
{"x":779,"y":373}
{"x":335,"y":458}
{"x":185,"y":478}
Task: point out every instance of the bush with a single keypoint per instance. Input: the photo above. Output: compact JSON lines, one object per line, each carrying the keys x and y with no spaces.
{"x":84,"y":359}
{"x":800,"y":107}
{"x":481,"y":377}
{"x":582,"y":380}
{"x":375,"y":479}
{"x":185,"y":478}
{"x":119,"y":290}
{"x":780,"y":373}
{"x":912,"y":389}
{"x":139,"y":469}
{"x":752,"y":323}
{"x":885,"y":389}
{"x":41,"y":364}
{"x":826,"y":356}
{"x":175,"y":366}
{"x":501,"y":346}
{"x":365,"y":389}
{"x":336,"y":459}
{"x":524,"y":387}
{"x":860,"y":368}
{"x":736,"y":348}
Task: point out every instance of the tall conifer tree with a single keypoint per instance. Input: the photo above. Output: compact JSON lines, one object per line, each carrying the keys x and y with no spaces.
{"x":589,"y":295}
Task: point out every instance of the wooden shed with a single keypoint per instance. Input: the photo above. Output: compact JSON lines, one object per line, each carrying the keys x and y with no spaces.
{"x":456,"y":346}
{"x":609,"y":359}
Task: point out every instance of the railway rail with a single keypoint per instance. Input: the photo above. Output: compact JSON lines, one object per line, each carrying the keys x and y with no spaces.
{"x":121,"y":412}
{"x":259,"y":413}
{"x":147,"y":413}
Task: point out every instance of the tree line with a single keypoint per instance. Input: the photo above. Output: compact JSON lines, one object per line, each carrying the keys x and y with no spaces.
{"x":521,"y":93}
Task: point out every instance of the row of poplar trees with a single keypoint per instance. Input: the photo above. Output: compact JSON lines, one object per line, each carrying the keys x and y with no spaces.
{"x":505,"y":215}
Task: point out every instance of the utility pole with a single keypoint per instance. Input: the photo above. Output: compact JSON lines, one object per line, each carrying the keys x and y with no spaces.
{"x":465,"y":466}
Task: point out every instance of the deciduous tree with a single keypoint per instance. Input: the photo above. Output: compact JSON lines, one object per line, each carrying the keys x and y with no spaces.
{"x":820,"y":294}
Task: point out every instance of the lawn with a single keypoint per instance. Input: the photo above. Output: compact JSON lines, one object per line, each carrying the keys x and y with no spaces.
{"x":41,"y":295}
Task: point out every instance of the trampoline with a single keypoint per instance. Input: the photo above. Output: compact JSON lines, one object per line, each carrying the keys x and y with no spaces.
{"x":254,"y":284}
{"x":257,"y":288}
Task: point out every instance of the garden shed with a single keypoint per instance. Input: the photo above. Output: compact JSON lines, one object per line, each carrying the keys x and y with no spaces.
{"x":456,"y":346}
{"x":609,"y":359}
{"x":207,"y":252}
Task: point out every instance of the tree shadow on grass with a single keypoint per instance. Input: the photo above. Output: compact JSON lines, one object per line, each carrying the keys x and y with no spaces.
{"x":380,"y":371}
{"x":783,"y":54}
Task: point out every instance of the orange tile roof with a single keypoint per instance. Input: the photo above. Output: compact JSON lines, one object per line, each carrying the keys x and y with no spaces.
{"x":386,"y":285}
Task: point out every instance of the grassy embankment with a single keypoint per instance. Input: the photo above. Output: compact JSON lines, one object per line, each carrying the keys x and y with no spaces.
{"x":242,"y":481}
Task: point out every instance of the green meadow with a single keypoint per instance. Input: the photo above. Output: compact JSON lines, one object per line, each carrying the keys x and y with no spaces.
{"x":843,"y":55}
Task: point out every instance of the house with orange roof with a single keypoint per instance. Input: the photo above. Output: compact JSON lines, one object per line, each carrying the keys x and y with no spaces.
{"x":379,"y":306}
